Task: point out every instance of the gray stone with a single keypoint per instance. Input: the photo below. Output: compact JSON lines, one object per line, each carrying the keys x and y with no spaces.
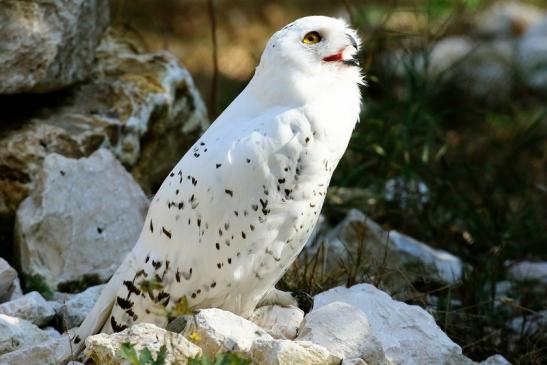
{"x":388,"y":257}
{"x":51,"y":352}
{"x":105,"y":349}
{"x":17,"y":333}
{"x":286,"y":352}
{"x":82,"y":219}
{"x":48,"y":44}
{"x":31,"y":307}
{"x":495,"y":360}
{"x":532,"y":57}
{"x":407,"y":333}
{"x":142,"y":106}
{"x":7,"y":277}
{"x":75,"y":308}
{"x":279,"y":322}
{"x":344,"y":331}
{"x":528,"y":271}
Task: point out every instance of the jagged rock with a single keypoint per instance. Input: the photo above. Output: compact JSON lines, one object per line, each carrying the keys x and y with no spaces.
{"x":383,"y":256}
{"x":216,"y":330}
{"x":279,"y":322}
{"x":48,"y":45}
{"x":142,"y":106}
{"x":8,"y":276}
{"x":51,"y":352}
{"x":75,"y":308}
{"x":286,"y":352}
{"x":532,"y":56}
{"x":105,"y":349}
{"x":407,"y":333}
{"x":31,"y":307}
{"x":80,"y":222}
{"x":528,"y":271}
{"x":344,"y":331}
{"x":16,"y":333}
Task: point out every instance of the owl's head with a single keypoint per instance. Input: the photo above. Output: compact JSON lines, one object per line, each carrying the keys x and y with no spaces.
{"x":314,"y":45}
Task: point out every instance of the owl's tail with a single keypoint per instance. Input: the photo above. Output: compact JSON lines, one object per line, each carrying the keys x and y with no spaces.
{"x":98,"y":316}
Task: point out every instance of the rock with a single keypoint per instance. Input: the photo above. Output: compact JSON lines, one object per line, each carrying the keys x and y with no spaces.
{"x":216,"y":330}
{"x":144,"y":107}
{"x":16,"y":333}
{"x":495,"y":360}
{"x":505,"y":19}
{"x":529,"y":324}
{"x":532,"y":57}
{"x":51,"y":352}
{"x":353,"y":362}
{"x":480,"y":70}
{"x":286,"y":352}
{"x":383,"y":256}
{"x":75,"y":308}
{"x":48,"y":45}
{"x":406,"y":192}
{"x":52,"y":332}
{"x":105,"y":349}
{"x":344,"y":331}
{"x":31,"y":307}
{"x":528,"y":271}
{"x":279,"y":322}
{"x":8,"y":275}
{"x":82,"y":219}
{"x":407,"y":333}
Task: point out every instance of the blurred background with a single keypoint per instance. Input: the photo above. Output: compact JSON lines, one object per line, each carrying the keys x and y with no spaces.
{"x":451,"y":148}
{"x":440,"y":200}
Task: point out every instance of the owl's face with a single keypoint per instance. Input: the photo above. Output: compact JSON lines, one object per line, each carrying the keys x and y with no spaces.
{"x":315,"y":44}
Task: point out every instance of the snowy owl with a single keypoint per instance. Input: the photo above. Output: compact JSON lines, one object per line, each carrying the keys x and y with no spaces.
{"x":239,"y":206}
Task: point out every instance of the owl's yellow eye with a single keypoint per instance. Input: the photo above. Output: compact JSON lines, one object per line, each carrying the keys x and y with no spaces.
{"x":312,"y":38}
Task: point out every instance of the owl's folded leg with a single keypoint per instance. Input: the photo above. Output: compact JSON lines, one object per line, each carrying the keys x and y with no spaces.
{"x":298,"y":299}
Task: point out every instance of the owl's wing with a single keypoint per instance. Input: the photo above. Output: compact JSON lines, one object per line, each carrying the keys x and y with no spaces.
{"x":207,"y":211}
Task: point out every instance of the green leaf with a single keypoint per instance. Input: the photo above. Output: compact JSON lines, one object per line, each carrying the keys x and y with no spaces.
{"x":127,"y":351}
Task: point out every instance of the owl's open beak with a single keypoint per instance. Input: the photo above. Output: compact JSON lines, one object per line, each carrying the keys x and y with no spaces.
{"x":347,"y":55}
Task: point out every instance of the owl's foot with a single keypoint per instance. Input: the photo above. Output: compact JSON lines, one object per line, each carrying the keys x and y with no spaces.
{"x":296,"y":298}
{"x":304,"y":300}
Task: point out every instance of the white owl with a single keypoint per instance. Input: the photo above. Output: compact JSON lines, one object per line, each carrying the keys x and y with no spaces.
{"x":240,"y":205}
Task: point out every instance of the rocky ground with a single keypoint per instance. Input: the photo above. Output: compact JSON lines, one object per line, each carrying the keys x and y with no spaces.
{"x":91,"y":124}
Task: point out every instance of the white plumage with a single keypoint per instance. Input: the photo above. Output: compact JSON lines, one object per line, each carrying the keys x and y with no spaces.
{"x":239,"y":206}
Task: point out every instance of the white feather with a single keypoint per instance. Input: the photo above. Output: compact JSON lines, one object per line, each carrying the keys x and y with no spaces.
{"x":239,"y":206}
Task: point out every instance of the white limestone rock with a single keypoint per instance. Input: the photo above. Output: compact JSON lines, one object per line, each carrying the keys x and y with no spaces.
{"x":353,"y":362}
{"x":83,"y":218}
{"x":286,"y":352}
{"x":280,"y":322}
{"x":17,"y":333}
{"x":532,"y":56}
{"x":495,"y":360}
{"x":75,"y":308}
{"x":31,"y":307}
{"x":55,"y":351}
{"x":105,"y":349}
{"x":48,"y":44}
{"x":528,"y":271}
{"x":216,"y":331}
{"x":344,"y":331}
{"x":407,"y":333}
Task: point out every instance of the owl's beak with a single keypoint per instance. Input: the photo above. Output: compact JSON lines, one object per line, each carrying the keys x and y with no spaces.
{"x":347,"y":55}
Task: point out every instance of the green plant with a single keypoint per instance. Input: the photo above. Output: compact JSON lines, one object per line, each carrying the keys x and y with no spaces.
{"x":127,"y":351}
{"x":220,"y":359}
